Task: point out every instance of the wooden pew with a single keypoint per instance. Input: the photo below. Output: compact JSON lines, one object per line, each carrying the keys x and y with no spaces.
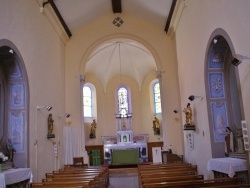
{"x":76,"y":177}
{"x":40,"y":185}
{"x":232,"y":186}
{"x":193,"y":183}
{"x":100,"y":172}
{"x":166,"y":167}
{"x":85,"y":184}
{"x":160,"y":179}
{"x":158,"y":173}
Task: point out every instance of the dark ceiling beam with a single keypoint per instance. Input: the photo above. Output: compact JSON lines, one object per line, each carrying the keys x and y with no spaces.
{"x":58,"y":14}
{"x":170,"y":15}
{"x":117,"y":6}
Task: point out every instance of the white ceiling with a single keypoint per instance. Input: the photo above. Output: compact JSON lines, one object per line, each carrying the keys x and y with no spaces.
{"x":118,"y":56}
{"x":77,"y":13}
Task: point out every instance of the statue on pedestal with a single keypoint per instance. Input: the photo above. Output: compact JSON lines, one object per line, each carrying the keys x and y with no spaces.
{"x":92,"y":130}
{"x":229,"y":143}
{"x":50,"y":127}
{"x":10,"y":150}
{"x":188,"y":112}
{"x":156,"y":126}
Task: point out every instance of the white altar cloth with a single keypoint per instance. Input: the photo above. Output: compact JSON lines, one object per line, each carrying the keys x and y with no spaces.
{"x":227,"y":165}
{"x":11,"y":176}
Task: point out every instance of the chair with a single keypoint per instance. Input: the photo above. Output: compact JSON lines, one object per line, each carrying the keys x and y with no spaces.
{"x":78,"y":161}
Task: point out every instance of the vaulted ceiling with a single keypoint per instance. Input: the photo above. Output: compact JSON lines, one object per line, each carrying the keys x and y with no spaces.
{"x":117,"y":56}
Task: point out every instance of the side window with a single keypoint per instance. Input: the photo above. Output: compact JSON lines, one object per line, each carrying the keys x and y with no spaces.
{"x":157,"y":97}
{"x":88,"y":101}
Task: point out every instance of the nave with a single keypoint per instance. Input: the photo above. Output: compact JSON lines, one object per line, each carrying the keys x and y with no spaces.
{"x":145,"y":175}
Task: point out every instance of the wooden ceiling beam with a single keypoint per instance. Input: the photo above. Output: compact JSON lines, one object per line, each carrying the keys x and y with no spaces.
{"x":170,"y":15}
{"x":58,"y":14}
{"x":117,"y":6}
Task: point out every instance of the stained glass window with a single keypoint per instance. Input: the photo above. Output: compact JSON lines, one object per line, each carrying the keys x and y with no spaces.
{"x":157,"y":98}
{"x":87,"y":102}
{"x":123,"y":105}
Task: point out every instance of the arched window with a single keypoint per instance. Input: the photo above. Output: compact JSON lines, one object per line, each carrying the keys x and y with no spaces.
{"x":123,"y":101}
{"x":88,"y":100}
{"x":157,"y":97}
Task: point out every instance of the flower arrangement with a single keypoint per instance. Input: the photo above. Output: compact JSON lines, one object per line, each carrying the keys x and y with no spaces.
{"x":3,"y":158}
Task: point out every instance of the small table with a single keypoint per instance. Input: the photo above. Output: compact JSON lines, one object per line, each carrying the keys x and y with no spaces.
{"x":227,"y":165}
{"x":15,"y":175}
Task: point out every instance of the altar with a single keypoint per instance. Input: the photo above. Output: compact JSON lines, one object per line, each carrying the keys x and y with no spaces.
{"x":15,"y":175}
{"x":125,"y":147}
{"x":229,"y":166}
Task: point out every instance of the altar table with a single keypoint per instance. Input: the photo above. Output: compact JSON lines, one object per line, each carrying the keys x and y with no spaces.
{"x":15,"y":175}
{"x":126,"y":156}
{"x":227,"y":165}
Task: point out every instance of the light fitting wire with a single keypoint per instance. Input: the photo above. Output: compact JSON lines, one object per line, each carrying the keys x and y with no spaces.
{"x":120,"y":61}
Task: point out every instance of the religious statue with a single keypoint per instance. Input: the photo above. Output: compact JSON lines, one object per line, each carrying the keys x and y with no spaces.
{"x":156,"y":126}
{"x":92,"y":130}
{"x":229,"y":144}
{"x":188,"y":112}
{"x":10,"y":150}
{"x":188,"y":121}
{"x":50,"y":127}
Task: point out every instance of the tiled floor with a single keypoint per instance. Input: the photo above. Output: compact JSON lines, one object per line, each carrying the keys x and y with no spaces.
{"x":127,"y":180}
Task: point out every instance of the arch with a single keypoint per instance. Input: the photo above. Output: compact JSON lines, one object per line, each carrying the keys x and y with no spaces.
{"x":222,"y":91}
{"x":16,"y":110}
{"x":102,"y":40}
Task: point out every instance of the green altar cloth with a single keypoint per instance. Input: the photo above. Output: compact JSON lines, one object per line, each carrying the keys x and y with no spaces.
{"x":126,"y":156}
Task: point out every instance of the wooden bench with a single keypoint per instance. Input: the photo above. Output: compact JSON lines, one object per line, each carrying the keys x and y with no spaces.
{"x":232,"y":186}
{"x":76,"y":177}
{"x":40,"y":185}
{"x":193,"y":183}
{"x":100,"y":172}
{"x":160,"y":179}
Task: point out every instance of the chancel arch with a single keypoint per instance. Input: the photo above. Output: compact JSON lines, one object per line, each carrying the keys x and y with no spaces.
{"x":126,"y":64}
{"x":14,"y":110}
{"x":223,"y":96}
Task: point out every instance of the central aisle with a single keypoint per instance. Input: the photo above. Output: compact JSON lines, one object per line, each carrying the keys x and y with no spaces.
{"x":123,"y":178}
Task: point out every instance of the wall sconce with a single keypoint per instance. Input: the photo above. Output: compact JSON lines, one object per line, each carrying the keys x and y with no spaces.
{"x":67,"y":115}
{"x":238,"y":59}
{"x":176,"y":111}
{"x":192,"y":97}
{"x":48,"y":108}
{"x":11,"y":51}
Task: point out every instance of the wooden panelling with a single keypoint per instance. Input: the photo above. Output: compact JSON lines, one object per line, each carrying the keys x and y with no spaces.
{"x":150,"y":145}
{"x":89,"y":149}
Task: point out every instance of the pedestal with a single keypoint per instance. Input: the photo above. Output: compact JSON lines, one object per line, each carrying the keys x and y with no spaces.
{"x":189,"y":127}
{"x":50,"y":136}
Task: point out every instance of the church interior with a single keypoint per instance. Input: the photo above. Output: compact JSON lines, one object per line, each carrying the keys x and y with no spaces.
{"x":128,"y":88}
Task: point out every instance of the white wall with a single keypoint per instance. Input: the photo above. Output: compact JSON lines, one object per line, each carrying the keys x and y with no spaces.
{"x":198,"y":21}
{"x":43,"y":54}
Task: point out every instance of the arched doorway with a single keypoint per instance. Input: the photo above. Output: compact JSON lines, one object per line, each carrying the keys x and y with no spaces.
{"x":223,"y":99}
{"x":14,"y":103}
